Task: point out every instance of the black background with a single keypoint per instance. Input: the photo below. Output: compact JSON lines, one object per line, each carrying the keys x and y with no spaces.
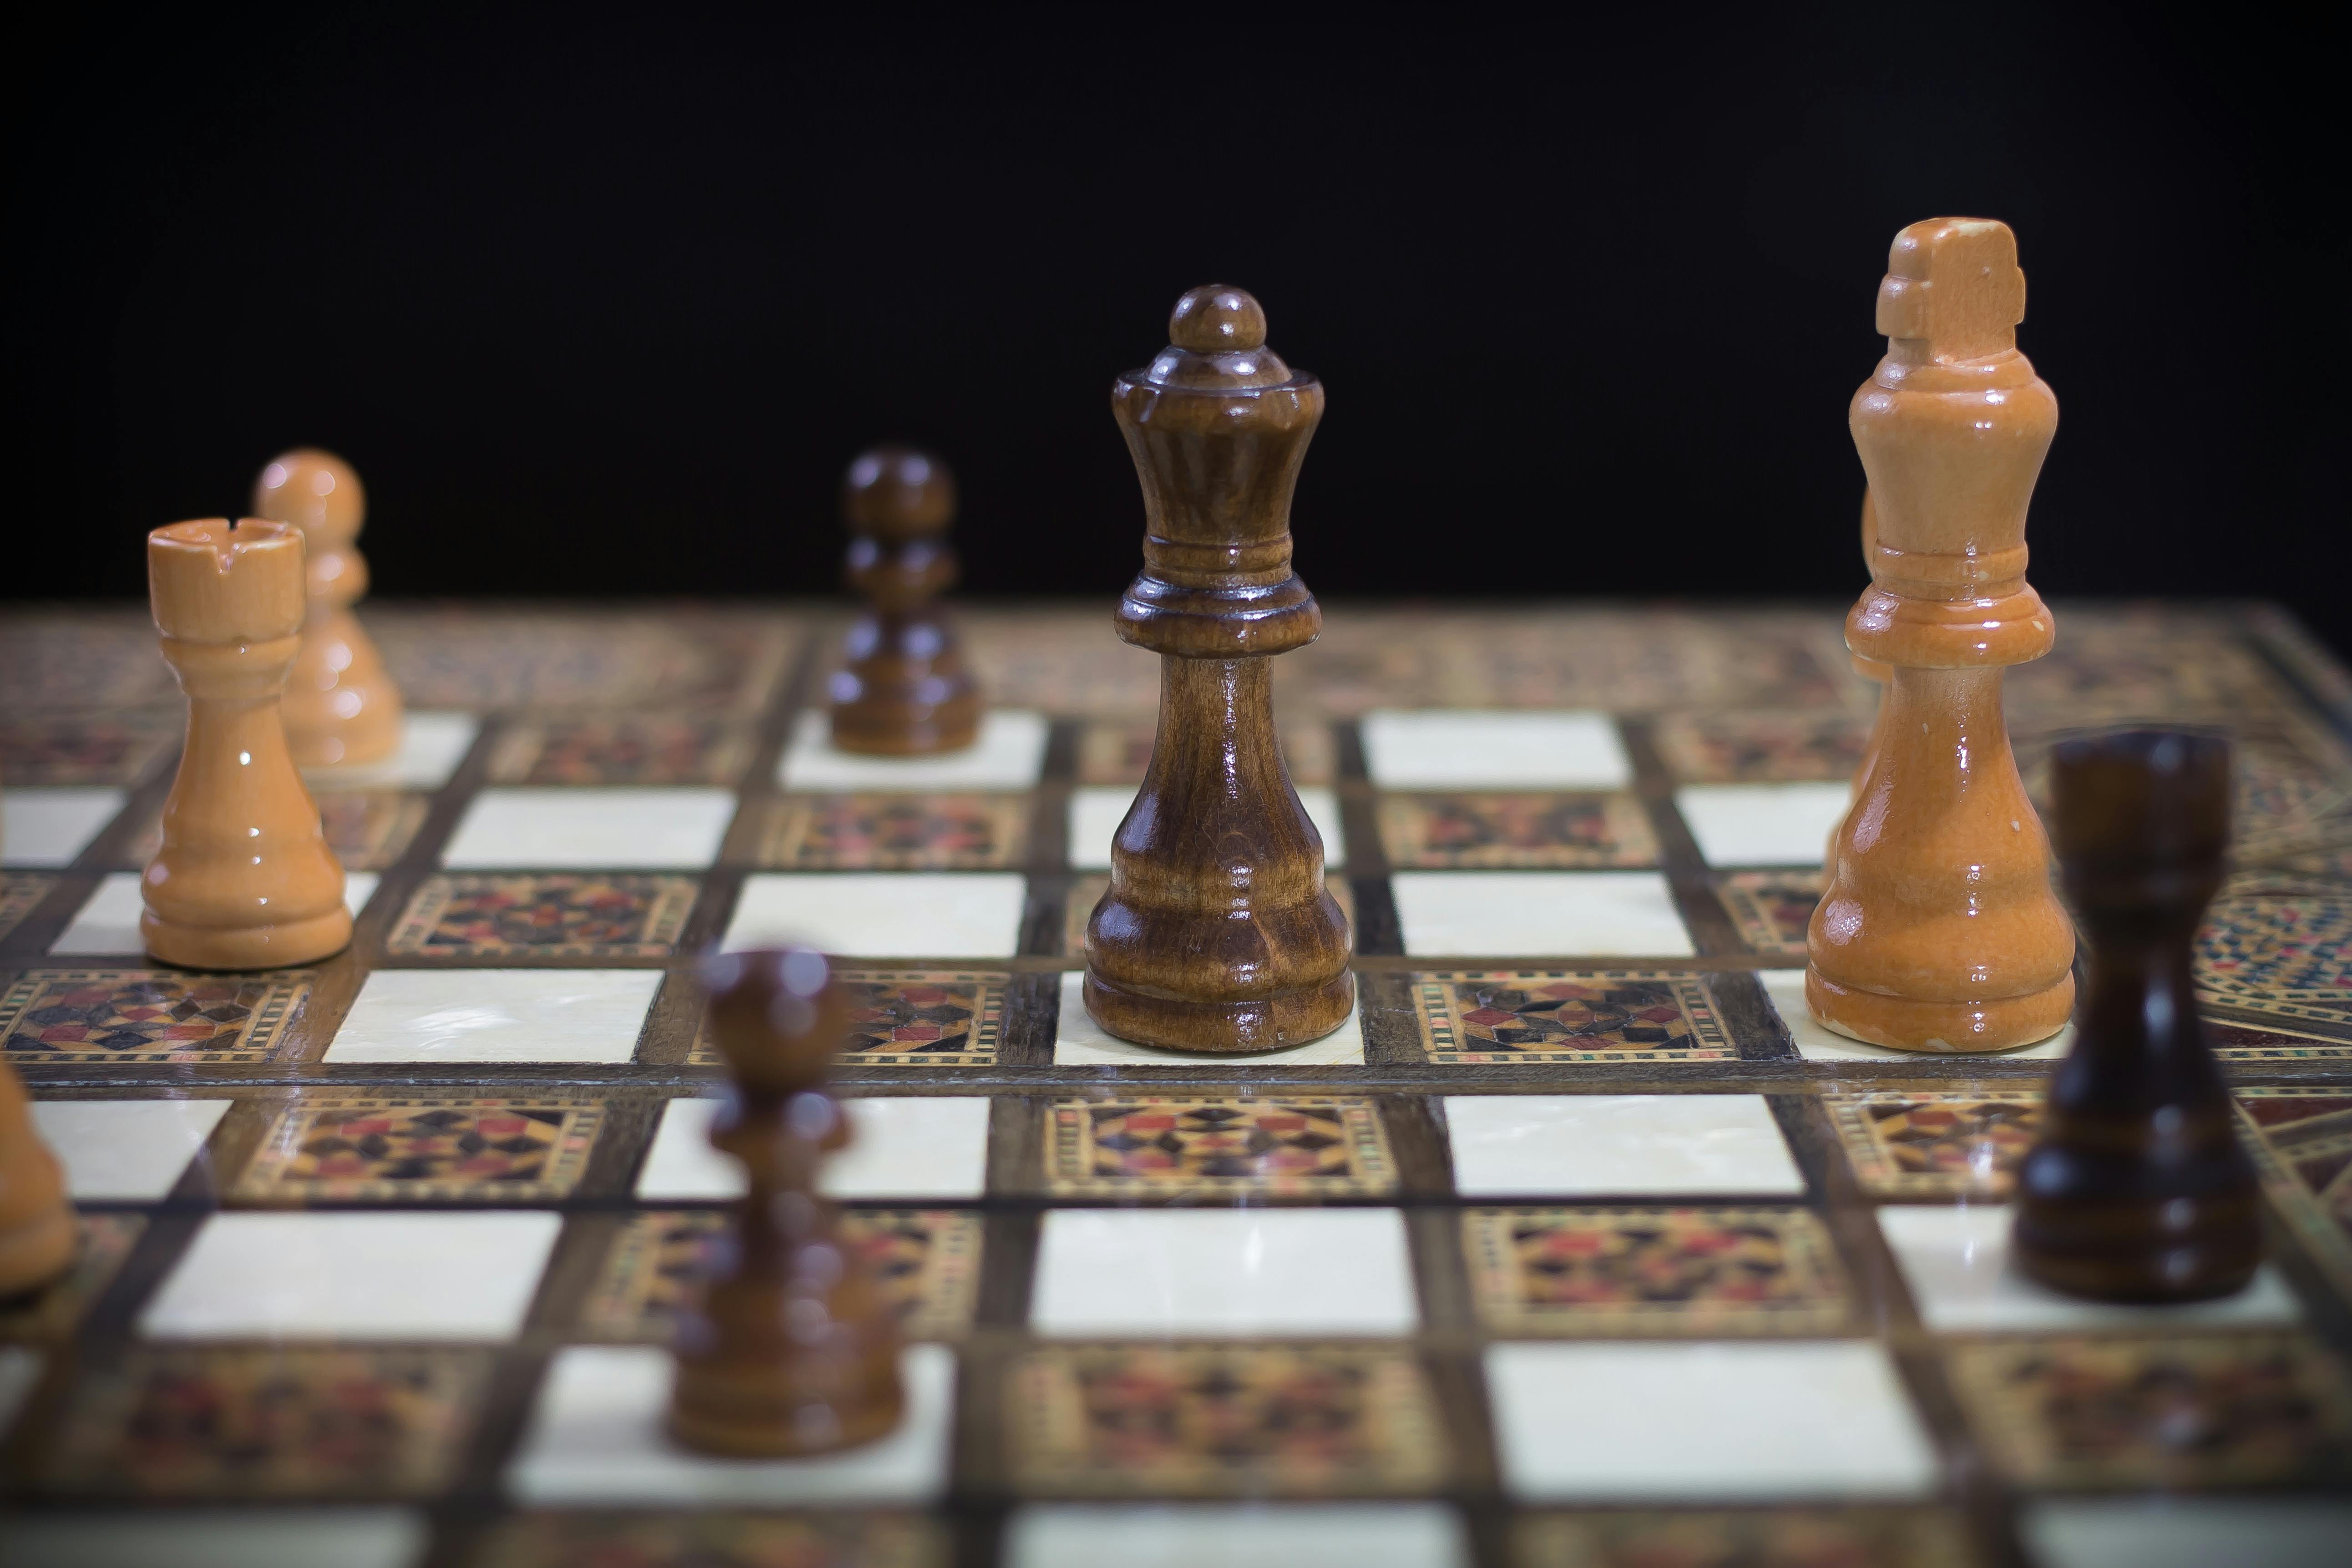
{"x":602,"y":304}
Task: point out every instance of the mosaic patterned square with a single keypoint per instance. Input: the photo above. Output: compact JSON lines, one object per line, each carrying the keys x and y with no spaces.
{"x":1621,"y":1271}
{"x":2222,"y":1410}
{"x":1743,"y":1538}
{"x":368,"y":829}
{"x":1515,"y":832}
{"x":2300,"y":1139}
{"x":1761,"y":748}
{"x":53,"y":1312}
{"x":1251,"y":1420}
{"x":75,"y":661}
{"x":99,"y":750}
{"x":912,"y":1018}
{"x":1087,"y":891}
{"x":894,"y":833}
{"x":2143,"y":662}
{"x":2280,"y":946}
{"x":147,"y":1016}
{"x":360,"y":1146}
{"x":1061,"y":661}
{"x":552,"y":915}
{"x":927,"y":1261}
{"x":1772,"y":908}
{"x":19,"y":891}
{"x":575,"y":1539}
{"x":643,"y":749}
{"x":1296,"y":1146}
{"x":1478,"y":1016}
{"x":1118,"y":753}
{"x":239,"y":1422}
{"x":1906,"y":1144}
{"x":706,"y":662}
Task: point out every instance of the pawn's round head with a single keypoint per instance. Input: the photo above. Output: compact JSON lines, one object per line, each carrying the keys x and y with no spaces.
{"x":1214,"y":318}
{"x":898,"y":491}
{"x":313,"y":489}
{"x":775,"y":1015}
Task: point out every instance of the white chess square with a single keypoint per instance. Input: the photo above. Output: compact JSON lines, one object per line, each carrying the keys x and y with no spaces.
{"x":1079,"y":1041}
{"x":1590,"y":914}
{"x":218,"y":1537}
{"x":463,"y":1276}
{"x":1763,"y":824}
{"x":1957,"y":1262}
{"x":884,"y":914}
{"x":496,"y":1015}
{"x":1237,"y":1535}
{"x":125,"y":1150}
{"x":2159,"y":1532}
{"x":431,"y":746}
{"x":1096,"y":810}
{"x":1223,"y":1273}
{"x":1009,"y":754}
{"x":1596,"y":1145}
{"x":1817,"y":1042}
{"x":610,"y":829}
{"x":901,"y":1146}
{"x":1709,"y":1421}
{"x":1462,"y":748}
{"x":108,"y":921}
{"x":595,"y":1437}
{"x":49,"y":828}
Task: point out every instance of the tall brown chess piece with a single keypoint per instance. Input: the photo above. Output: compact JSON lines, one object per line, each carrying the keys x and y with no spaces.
{"x":2139,"y":1190}
{"x":341,"y":703}
{"x":244,"y":879}
{"x":1939,"y":931}
{"x":1217,"y":933}
{"x":794,"y":1350}
{"x":904,"y":690}
{"x":37,"y":1239}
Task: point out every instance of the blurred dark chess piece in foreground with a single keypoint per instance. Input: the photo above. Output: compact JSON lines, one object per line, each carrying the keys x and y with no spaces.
{"x":36,"y":1224}
{"x":794,"y":1351}
{"x":904,"y":691}
{"x":2139,"y":1190}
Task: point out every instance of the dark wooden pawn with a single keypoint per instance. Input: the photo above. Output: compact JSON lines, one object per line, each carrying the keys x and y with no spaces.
{"x":2139,"y":1190}
{"x":794,"y":1350}
{"x":1217,"y":933}
{"x":904,"y":690}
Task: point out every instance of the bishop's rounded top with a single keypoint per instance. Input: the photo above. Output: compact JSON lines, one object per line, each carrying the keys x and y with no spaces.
{"x":313,"y":488}
{"x":1215,"y":319}
{"x":898,"y":491}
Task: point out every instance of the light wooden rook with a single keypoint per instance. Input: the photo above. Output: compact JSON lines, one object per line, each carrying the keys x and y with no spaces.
{"x":341,"y":703}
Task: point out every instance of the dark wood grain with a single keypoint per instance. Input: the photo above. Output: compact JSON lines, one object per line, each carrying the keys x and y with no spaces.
{"x":904,"y":690}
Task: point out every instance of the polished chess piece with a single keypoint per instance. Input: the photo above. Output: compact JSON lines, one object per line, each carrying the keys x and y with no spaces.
{"x":341,"y":703}
{"x":1938,"y":930}
{"x":38,"y":1236}
{"x":793,"y":1351}
{"x":903,"y":691}
{"x":1870,"y":670}
{"x":1217,"y":933}
{"x":244,"y":879}
{"x":2139,"y":1190}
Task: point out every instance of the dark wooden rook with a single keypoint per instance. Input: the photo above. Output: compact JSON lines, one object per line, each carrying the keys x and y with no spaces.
{"x":1217,"y":933}
{"x":2139,"y":1190}
{"x":794,"y":1350}
{"x":904,"y":690}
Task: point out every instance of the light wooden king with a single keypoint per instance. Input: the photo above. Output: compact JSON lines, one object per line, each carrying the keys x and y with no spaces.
{"x":1939,"y":931}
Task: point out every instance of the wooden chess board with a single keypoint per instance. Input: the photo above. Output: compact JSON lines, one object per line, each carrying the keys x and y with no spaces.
{"x":1577,"y":1246}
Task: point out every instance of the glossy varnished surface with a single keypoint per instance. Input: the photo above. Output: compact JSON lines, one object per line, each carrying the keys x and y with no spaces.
{"x":340,"y":705}
{"x":902,"y":690}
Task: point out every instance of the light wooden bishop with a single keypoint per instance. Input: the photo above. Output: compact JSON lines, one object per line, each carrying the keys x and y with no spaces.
{"x":341,"y":703}
{"x":1939,"y":931}
{"x":244,"y":879}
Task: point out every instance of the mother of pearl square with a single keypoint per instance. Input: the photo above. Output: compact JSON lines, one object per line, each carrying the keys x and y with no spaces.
{"x":125,"y":1150}
{"x":218,"y":1537}
{"x":1237,"y":1535}
{"x":1763,"y":824}
{"x":1008,"y":754}
{"x":1456,"y":748}
{"x":1587,"y":914}
{"x":1596,"y":1145}
{"x":431,"y":746}
{"x":884,"y":914}
{"x":496,"y":1015}
{"x":671,"y":829}
{"x":2159,"y":1532}
{"x":44,"y":827}
{"x":1223,"y":1273}
{"x":900,"y":1146}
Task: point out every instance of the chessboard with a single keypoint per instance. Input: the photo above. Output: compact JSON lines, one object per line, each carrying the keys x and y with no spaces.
{"x":1578,"y":1244}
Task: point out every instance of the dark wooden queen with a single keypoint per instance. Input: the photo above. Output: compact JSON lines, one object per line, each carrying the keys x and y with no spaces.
{"x":1217,"y":933}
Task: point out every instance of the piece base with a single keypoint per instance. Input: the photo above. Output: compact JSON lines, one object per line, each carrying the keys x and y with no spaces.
{"x":736,"y":1434}
{"x":274,"y":946}
{"x":1940,"y":1029}
{"x":895,"y":731}
{"x":1222,"y":1028}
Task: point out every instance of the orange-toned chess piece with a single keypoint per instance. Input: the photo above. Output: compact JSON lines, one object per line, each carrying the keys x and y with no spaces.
{"x":1939,"y":931}
{"x":341,"y":703}
{"x":244,"y":879}
{"x":794,"y":1350}
{"x":36,"y":1224}
{"x":1869,"y":670}
{"x":904,"y":690}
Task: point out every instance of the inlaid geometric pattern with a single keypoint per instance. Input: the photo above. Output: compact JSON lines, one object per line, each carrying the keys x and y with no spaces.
{"x":2300,"y":1139}
{"x":927,"y":1259}
{"x":555,"y":915}
{"x":912,"y":1018}
{"x":2143,"y":662}
{"x":1910,"y":1144}
{"x":2279,"y":945}
{"x":1087,"y":891}
{"x":1478,"y":1016}
{"x":1199,"y":1420}
{"x":578,"y":1538}
{"x":368,"y":829}
{"x":106,"y":749}
{"x":622,"y":749}
{"x":147,"y":1016}
{"x":2221,"y":1410}
{"x":240,"y":1422}
{"x":53,"y":1312}
{"x":19,"y":891}
{"x":1772,"y":908}
{"x":1760,"y":748}
{"x":1682,"y":1271}
{"x":75,"y":662}
{"x":1743,"y":1538}
{"x":1515,"y":832}
{"x":1291,"y":1146}
{"x":703,"y":663}
{"x":407,"y":1147}
{"x":894,"y":833}
{"x":1111,"y":752}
